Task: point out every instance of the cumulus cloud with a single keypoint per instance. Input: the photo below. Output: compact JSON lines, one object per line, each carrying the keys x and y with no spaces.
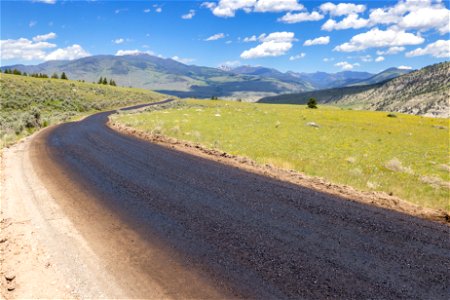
{"x":366,"y":58}
{"x":182,"y":60}
{"x":44,"y":37}
{"x":215,"y":37}
{"x":274,"y":44}
{"x":346,"y":65}
{"x":69,"y":53}
{"x":133,"y":52}
{"x":158,"y":9}
{"x":38,"y":49}
{"x":379,"y":59}
{"x":323,"y":40}
{"x":412,"y":14}
{"x":24,"y":49}
{"x":189,"y":15}
{"x":252,"y":38}
{"x":292,"y":18}
{"x":228,"y":8}
{"x":350,"y":21}
{"x":277,"y":5}
{"x":342,"y":9}
{"x":391,"y":50}
{"x":230,"y":64}
{"x":118,"y":41}
{"x":422,"y":15}
{"x":439,"y":49}
{"x":298,"y":56}
{"x":376,"y":38}
{"x":147,"y":10}
{"x":404,"y":67}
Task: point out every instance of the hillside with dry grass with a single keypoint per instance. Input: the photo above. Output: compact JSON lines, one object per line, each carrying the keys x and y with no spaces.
{"x":27,"y":103}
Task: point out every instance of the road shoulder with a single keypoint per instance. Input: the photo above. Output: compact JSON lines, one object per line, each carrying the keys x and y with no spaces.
{"x":379,"y":199}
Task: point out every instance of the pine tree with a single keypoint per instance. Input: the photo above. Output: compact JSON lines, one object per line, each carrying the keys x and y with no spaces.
{"x":112,"y":82}
{"x":64,"y":76}
{"x":105,"y":81}
{"x":312,"y":103}
{"x":55,"y":76}
{"x":16,"y":72}
{"x":100,"y":81}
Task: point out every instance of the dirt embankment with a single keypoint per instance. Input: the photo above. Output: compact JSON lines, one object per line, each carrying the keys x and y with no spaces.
{"x":380,"y":199}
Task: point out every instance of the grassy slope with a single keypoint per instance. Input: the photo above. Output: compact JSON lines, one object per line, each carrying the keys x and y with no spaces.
{"x":350,"y":147}
{"x":56,"y":101}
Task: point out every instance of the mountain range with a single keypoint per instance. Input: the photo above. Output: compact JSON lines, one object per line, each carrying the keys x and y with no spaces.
{"x":422,"y":92}
{"x":171,"y":77}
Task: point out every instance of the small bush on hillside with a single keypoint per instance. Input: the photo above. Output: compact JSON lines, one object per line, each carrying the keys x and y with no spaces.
{"x":312,"y":103}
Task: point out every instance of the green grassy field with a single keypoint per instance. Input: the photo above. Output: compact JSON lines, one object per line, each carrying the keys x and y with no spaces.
{"x":27,"y":104}
{"x":406,"y":155}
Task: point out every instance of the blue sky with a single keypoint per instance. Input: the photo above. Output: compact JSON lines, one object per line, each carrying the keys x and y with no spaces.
{"x":360,"y":36}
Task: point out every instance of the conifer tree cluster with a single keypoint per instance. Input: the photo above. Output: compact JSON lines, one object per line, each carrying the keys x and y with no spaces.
{"x":106,"y":82}
{"x":36,"y":75}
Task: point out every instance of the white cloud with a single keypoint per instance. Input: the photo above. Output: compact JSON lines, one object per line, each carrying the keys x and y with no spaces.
{"x":376,"y":38}
{"x":298,"y":56}
{"x":215,"y":37}
{"x":274,"y":44}
{"x":292,"y":18}
{"x":230,"y":64}
{"x":440,"y":49}
{"x":45,"y":1}
{"x":350,"y":21}
{"x":366,"y":58}
{"x":252,"y":38}
{"x":342,"y":9}
{"x":346,"y":65}
{"x":391,"y":50}
{"x":277,"y":5}
{"x":38,"y":49}
{"x":228,"y":8}
{"x":189,"y":15}
{"x":183,"y":60}
{"x":147,"y":10}
{"x":379,"y":59}
{"x":158,"y":9}
{"x":69,"y":53}
{"x":404,"y":67}
{"x":44,"y":37}
{"x":328,"y":59}
{"x":118,"y":41}
{"x":133,"y":52}
{"x":24,"y":49}
{"x":412,"y":14}
{"x":323,"y":40}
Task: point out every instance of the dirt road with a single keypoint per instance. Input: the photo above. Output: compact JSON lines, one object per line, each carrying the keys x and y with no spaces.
{"x":118,"y":217}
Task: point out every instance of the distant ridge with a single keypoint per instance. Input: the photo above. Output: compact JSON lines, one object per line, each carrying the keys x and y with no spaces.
{"x":172,"y":77}
{"x":422,"y":92}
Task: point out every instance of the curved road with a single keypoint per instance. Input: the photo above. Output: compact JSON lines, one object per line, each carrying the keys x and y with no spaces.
{"x":181,"y":226}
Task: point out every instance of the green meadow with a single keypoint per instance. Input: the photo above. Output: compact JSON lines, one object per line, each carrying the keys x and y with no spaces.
{"x":404,"y":155}
{"x":27,"y":104}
